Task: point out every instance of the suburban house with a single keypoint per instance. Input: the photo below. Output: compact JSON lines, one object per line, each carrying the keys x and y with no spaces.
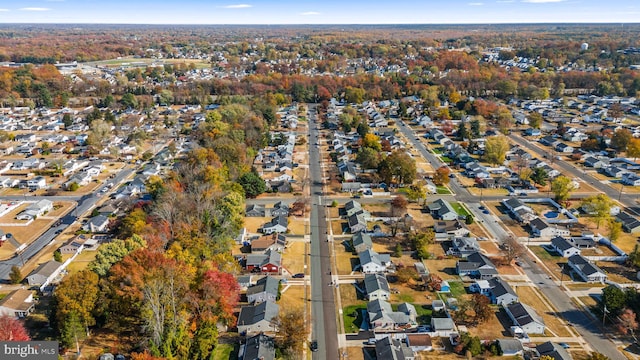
{"x":97,"y":224}
{"x":477,"y":266}
{"x":382,"y":316}
{"x":258,"y":347}
{"x":500,"y":292}
{"x":419,"y":342}
{"x":265,"y":289}
{"x":255,"y":211}
{"x":44,"y":274}
{"x":280,"y":209}
{"x":519,"y":210}
{"x":540,"y":228}
{"x":511,"y":347}
{"x":464,"y":246}
{"x":526,"y":318}
{"x":631,"y":179}
{"x":273,"y":242}
{"x":36,"y":209}
{"x":445,"y":229}
{"x":277,"y":225}
{"x":38,"y":182}
{"x":357,"y":223}
{"x":563,"y":247}
{"x":245,"y":281}
{"x":442,"y":326}
{"x":390,"y":349}
{"x":257,"y":318}
{"x":361,"y":242}
{"x":18,"y":303}
{"x":372,"y":262}
{"x":595,"y":162}
{"x":376,"y":287}
{"x":442,"y":210}
{"x":74,"y":245}
{"x":353,"y":207}
{"x":588,"y":271}
{"x":555,"y":351}
{"x":630,"y":224}
{"x":269,"y":262}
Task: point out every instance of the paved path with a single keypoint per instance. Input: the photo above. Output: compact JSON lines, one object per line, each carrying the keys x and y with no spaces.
{"x":323,"y":310}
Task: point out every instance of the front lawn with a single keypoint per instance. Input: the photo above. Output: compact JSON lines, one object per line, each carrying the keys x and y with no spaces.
{"x":460,"y":209}
{"x":352,"y":317}
{"x":224,"y":352}
{"x":443,"y":190}
{"x":456,"y":289}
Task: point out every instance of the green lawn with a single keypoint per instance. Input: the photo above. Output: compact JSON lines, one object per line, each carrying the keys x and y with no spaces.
{"x":225,"y":352}
{"x":443,"y":190}
{"x":542,"y":253}
{"x":445,"y":159}
{"x":352,"y":316}
{"x":460,"y":209}
{"x":437,"y":151}
{"x":457,"y":289}
{"x":424,"y":314}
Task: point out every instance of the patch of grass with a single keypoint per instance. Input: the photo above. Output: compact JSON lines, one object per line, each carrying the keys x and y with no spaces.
{"x":352,"y":316}
{"x":443,"y":190}
{"x":406,"y":298}
{"x":2,"y":296}
{"x":457,"y":289}
{"x":437,"y":151}
{"x":225,"y":351}
{"x":461,"y":210}
{"x":542,"y":253}
{"x":423,"y":314}
{"x":445,"y":159}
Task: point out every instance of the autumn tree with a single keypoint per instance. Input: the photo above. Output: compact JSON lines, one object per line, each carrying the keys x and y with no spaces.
{"x":495,"y":150}
{"x":292,"y":332}
{"x":15,"y":276}
{"x":371,"y":141}
{"x":398,"y":208}
{"x":398,"y":166}
{"x":441,"y":176}
{"x":598,"y":206}
{"x":481,"y":308}
{"x":77,"y":294}
{"x":615,"y":229}
{"x":561,"y":186}
{"x":597,"y":356}
{"x":621,"y":139}
{"x":368,"y":158}
{"x":112,"y":252}
{"x":12,"y":329}
{"x":627,"y":322}
{"x":535,"y":120}
{"x":633,"y":149}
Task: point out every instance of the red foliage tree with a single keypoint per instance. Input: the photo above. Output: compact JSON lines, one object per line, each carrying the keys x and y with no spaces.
{"x":12,"y":329}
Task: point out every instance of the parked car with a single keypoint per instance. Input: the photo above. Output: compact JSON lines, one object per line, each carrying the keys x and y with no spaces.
{"x":314,"y":346}
{"x":298,"y":276}
{"x":564,"y":345}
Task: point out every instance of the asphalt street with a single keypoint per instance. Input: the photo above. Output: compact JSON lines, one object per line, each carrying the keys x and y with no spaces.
{"x":583,"y":324}
{"x":84,"y":204}
{"x":324,"y":328}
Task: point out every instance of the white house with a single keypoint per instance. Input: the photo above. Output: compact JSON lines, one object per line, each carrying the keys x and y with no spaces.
{"x":38,"y":182}
{"x":563,"y":247}
{"x":526,"y":318}
{"x":372,"y":262}
{"x":588,"y":271}
{"x":96,"y":224}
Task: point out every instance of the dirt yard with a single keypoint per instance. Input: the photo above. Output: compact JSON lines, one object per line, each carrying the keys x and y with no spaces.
{"x":294,"y":257}
{"x":555,"y":325}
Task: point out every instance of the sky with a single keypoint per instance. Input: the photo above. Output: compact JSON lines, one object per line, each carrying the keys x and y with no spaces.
{"x":319,"y":11}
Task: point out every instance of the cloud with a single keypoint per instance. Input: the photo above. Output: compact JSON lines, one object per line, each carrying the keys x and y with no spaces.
{"x":542,"y":1}
{"x":4,"y":10}
{"x":34,"y":9}
{"x":54,"y":0}
{"x":476,"y":4}
{"x":309,"y":13}
{"x":237,"y":6}
{"x":505,"y":1}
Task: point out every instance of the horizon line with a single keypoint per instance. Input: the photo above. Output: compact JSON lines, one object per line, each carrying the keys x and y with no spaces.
{"x":324,"y":24}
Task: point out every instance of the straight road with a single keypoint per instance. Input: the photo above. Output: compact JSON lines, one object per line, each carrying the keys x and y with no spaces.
{"x":84,"y":204}
{"x":323,"y":311}
{"x":629,"y":201}
{"x":563,"y":304}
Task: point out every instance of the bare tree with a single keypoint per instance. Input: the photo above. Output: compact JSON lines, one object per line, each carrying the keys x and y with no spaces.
{"x":627,"y":323}
{"x":512,"y":249}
